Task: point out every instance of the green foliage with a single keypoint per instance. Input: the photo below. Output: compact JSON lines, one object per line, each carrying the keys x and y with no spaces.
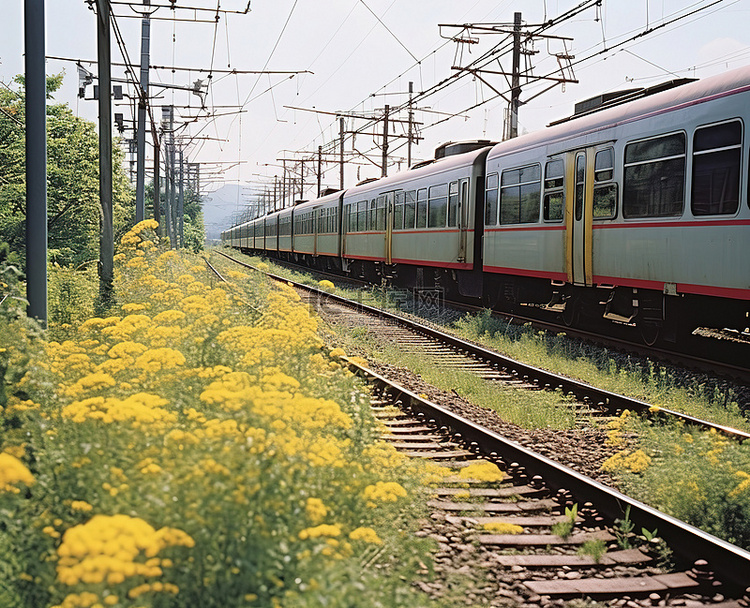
{"x":593,"y":548}
{"x":194,"y":233}
{"x":565,"y":528}
{"x":623,"y":530}
{"x":72,"y":179}
{"x":71,"y":294}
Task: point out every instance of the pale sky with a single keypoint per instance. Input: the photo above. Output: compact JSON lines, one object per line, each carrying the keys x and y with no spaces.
{"x":353,"y":54}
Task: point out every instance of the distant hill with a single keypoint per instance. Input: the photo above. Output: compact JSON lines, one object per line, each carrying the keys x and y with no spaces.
{"x":219,"y":207}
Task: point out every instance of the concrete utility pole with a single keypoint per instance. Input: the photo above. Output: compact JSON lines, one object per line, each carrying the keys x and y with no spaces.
{"x":157,"y":187}
{"x":167,"y":119}
{"x":384,"y":168}
{"x":515,"y":91}
{"x":140,"y":171}
{"x":106,"y":243}
{"x":341,"y":152}
{"x":181,"y":205}
{"x":36,"y":162}
{"x":301,"y":179}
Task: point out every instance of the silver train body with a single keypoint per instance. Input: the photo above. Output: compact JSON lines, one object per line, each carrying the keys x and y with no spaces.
{"x":637,"y":214}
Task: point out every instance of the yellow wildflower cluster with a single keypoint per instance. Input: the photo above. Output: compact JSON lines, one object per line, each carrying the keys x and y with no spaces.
{"x":634,"y":461}
{"x":113,"y":548}
{"x":482,"y":471}
{"x":365,"y":534}
{"x":502,"y":527}
{"x":384,"y":491}
{"x":316,"y":510}
{"x":12,"y":473}
{"x":142,"y":410}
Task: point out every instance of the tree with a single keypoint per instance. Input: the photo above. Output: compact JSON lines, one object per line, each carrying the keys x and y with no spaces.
{"x":73,"y":213}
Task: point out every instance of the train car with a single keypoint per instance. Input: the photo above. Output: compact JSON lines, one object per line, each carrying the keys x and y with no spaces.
{"x":637,"y":213}
{"x":317,"y":228}
{"x":271,"y":233}
{"x":418,"y":226}
{"x":284,"y":220}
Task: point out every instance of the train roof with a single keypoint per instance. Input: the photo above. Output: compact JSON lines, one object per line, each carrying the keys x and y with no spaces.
{"x":729,"y":83}
{"x":328,"y":198}
{"x":438,"y":166}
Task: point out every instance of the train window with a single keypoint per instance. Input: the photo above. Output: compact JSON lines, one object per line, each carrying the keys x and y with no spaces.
{"x":438,"y":206}
{"x":371,"y":216}
{"x":490,"y":200}
{"x":520,"y":193}
{"x":453,"y":204}
{"x":716,"y":169}
{"x":421,"y":207}
{"x":361,"y":216}
{"x":604,"y":165}
{"x":554,"y":195}
{"x":409,"y":209}
{"x":380,"y":214}
{"x":605,"y":190}
{"x":654,"y":178}
{"x":398,"y":211}
{"x":347,"y":219}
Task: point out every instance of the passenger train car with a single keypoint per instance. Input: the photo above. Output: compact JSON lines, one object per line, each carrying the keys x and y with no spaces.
{"x":636,"y":213}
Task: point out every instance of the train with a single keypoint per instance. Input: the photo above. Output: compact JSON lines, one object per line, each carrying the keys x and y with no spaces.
{"x":632,"y":211}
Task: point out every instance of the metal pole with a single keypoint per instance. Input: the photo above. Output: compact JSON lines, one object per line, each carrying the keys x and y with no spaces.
{"x":320,"y":167}
{"x":36,"y":162}
{"x":515,"y":92}
{"x":411,"y":128}
{"x":181,"y":204}
{"x":157,"y":187}
{"x":167,"y":195}
{"x":283,"y":186}
{"x":341,"y":152}
{"x":384,"y":168}
{"x":140,"y":171}
{"x":107,"y":244}
{"x":301,"y":179}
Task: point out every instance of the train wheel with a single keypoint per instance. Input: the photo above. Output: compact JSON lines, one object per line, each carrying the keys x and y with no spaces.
{"x":650,"y":333}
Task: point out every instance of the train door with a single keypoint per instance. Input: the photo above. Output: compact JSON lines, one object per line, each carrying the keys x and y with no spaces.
{"x":316,"y":227}
{"x":389,"y":201}
{"x":463,"y":217}
{"x":579,"y":216}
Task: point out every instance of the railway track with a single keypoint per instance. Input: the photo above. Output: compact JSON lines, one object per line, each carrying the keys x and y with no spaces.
{"x":541,"y":533}
{"x":449,"y":350}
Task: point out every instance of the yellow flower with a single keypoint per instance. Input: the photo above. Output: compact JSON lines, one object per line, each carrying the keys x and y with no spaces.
{"x":482,"y":471}
{"x":315,"y":510}
{"x":12,"y":472}
{"x":321,"y":530}
{"x":367,"y":535}
{"x":81,"y":505}
{"x":502,"y":527}
{"x":385,"y":491}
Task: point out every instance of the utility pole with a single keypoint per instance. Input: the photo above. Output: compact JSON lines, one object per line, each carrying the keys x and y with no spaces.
{"x":411,"y":127}
{"x":140,"y":172}
{"x":320,"y":167}
{"x":106,"y":243}
{"x":515,"y":91}
{"x":157,"y":187}
{"x":283,"y":186}
{"x":341,"y":152}
{"x":181,"y":205}
{"x":36,"y":162}
{"x":167,"y":118}
{"x":384,"y":168}
{"x":301,"y":179}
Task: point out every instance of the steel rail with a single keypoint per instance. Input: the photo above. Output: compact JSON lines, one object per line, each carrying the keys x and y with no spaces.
{"x":544,"y":378}
{"x":730,"y":563}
